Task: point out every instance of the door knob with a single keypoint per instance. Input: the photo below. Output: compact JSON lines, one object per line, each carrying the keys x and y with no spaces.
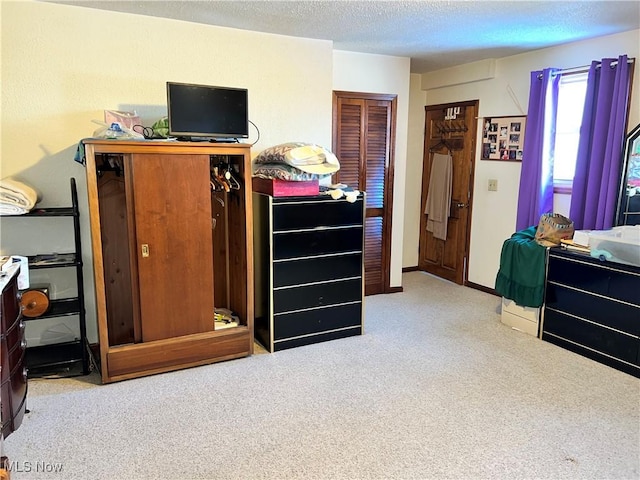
{"x":461,"y":205}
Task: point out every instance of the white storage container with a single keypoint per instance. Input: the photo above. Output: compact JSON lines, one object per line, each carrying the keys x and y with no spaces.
{"x":524,"y":319}
{"x":620,"y":244}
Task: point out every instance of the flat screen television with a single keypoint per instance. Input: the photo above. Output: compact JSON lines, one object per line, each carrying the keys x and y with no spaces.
{"x":198,"y":112}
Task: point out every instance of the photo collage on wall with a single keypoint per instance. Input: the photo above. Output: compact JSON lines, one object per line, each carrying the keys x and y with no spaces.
{"x":503,"y":138}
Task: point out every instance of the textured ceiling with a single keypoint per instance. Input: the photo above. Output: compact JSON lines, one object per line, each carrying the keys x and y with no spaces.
{"x":434,"y":33}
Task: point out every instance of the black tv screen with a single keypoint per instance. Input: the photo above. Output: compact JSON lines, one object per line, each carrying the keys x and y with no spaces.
{"x":207,"y":111}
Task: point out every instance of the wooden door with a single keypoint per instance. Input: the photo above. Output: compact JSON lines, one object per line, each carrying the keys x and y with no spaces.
{"x":173,"y":233}
{"x":450,"y":129}
{"x":363,"y":140}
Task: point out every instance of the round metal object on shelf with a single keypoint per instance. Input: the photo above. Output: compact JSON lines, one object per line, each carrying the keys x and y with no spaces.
{"x":35,"y":301}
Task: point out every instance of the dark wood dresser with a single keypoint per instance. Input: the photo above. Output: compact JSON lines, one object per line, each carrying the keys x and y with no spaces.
{"x":12,"y":350}
{"x":592,"y":307}
{"x":309,"y":269}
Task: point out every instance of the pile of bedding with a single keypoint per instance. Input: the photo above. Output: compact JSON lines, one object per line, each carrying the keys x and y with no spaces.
{"x":295,"y":161}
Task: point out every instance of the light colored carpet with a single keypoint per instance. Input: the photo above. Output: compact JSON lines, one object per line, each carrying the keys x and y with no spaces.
{"x":436,"y":388}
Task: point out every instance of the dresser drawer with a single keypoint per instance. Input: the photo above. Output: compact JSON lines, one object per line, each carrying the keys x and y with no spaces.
{"x":15,"y":334}
{"x":602,"y":310}
{"x":290,"y":325}
{"x":14,"y":395}
{"x":316,"y":269}
{"x":609,"y":280}
{"x":18,"y":388}
{"x":316,"y":295}
{"x":310,"y":243}
{"x":6,"y":413}
{"x":10,"y":307}
{"x":17,"y":368}
{"x":316,"y":213}
{"x":20,"y":410}
{"x":16,"y":355}
{"x":592,"y":336}
{"x":12,"y":348}
{"x":319,"y":337}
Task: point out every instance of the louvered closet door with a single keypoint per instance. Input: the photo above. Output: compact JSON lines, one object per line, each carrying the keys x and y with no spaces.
{"x":363,"y":142}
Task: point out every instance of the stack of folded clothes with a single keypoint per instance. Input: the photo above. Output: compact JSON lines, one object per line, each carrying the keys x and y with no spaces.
{"x":16,"y":198}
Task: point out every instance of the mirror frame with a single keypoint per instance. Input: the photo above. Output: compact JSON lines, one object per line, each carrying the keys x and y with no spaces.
{"x":622,"y":209}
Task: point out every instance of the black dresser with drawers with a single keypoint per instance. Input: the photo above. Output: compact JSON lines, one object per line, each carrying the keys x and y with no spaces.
{"x":592,"y":307}
{"x":308,"y":269}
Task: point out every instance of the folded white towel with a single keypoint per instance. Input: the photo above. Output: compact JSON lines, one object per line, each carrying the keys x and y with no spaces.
{"x":8,"y":209}
{"x":16,"y":197}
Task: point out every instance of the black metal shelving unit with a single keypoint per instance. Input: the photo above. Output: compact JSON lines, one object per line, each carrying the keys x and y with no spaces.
{"x":61,"y":358}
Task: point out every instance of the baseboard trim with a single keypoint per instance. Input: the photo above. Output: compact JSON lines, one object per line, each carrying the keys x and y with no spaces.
{"x":469,"y":284}
{"x":395,"y":290}
{"x":410,"y":269}
{"x":482,"y":288}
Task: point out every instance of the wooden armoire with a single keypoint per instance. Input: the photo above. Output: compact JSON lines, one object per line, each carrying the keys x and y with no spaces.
{"x":172,"y":238}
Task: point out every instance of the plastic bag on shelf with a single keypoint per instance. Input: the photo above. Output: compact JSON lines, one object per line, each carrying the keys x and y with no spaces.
{"x":116,"y":131}
{"x":125,"y":119}
{"x":59,"y":333}
{"x":161,"y":128}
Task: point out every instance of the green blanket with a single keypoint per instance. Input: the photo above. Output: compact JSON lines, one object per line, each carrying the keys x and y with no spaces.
{"x":522,"y":267}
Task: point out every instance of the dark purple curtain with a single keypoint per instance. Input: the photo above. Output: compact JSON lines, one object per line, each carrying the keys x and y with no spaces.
{"x":597,"y":176}
{"x":536,"y":177}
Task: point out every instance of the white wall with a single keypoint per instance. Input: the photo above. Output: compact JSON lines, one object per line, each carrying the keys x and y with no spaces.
{"x":413,"y":187}
{"x":357,"y":72}
{"x":494,"y":213}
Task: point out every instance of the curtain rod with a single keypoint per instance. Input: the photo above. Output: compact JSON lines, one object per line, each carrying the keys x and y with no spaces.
{"x":585,"y":68}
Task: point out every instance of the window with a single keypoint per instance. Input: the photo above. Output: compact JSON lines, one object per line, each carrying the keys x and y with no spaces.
{"x":571,"y":94}
{"x":591,"y":186}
